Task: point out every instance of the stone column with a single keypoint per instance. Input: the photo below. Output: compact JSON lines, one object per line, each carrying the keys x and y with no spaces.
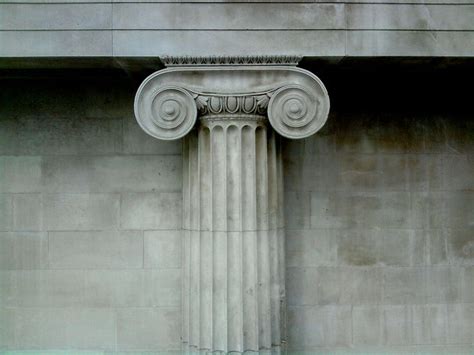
{"x":233,"y":251}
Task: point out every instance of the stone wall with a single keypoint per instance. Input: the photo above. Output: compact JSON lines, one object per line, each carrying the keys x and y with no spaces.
{"x":379,"y":214}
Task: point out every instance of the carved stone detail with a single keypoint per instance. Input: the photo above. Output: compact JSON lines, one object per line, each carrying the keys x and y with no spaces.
{"x":166,"y":113}
{"x":296,"y":112}
{"x":168,"y":102}
{"x":234,"y":297}
{"x":234,"y":104}
{"x":231,"y":60}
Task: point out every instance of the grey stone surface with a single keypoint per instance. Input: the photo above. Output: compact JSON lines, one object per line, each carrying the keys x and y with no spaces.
{"x":65,"y":328}
{"x":96,"y":250}
{"x":59,"y":136}
{"x":27,"y":212}
{"x":23,"y":250}
{"x":319,"y":326}
{"x":20,"y":174}
{"x":81,"y":211}
{"x":162,"y":249}
{"x":144,"y":29}
{"x":151,"y":210}
{"x":112,"y":174}
{"x":6,"y":212}
{"x":355,"y":284}
{"x":145,"y":329}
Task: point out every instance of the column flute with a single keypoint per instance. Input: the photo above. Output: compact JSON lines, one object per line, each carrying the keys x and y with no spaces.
{"x":231,"y":113}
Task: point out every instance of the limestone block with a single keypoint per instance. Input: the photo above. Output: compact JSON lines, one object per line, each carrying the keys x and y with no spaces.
{"x":312,"y":247}
{"x":20,"y":174}
{"x":460,"y":326}
{"x":298,"y":210}
{"x":135,"y":141}
{"x":28,"y":212}
{"x":421,"y":285}
{"x":23,"y":250}
{"x":362,"y":209}
{"x":459,"y":209}
{"x":460,"y":245}
{"x":56,"y":43}
{"x":201,"y":43}
{"x":368,"y":325}
{"x":96,"y":250}
{"x":114,"y":288}
{"x":6,"y":212}
{"x":81,"y":211}
{"x":112,"y":174}
{"x":404,"y":285}
{"x":425,"y":172}
{"x":48,"y":288}
{"x":148,"y":329}
{"x":468,"y":284}
{"x":163,"y":288}
{"x":429,"y":324}
{"x":216,"y":16}
{"x":334,"y":285}
{"x":409,"y":16}
{"x":60,"y":16}
{"x":417,"y":43}
{"x":151,"y":211}
{"x":397,"y":325}
{"x":163,"y":249}
{"x":71,"y":136}
{"x":7,"y":331}
{"x":458,"y":171}
{"x":317,"y":326}
{"x":65,"y":328}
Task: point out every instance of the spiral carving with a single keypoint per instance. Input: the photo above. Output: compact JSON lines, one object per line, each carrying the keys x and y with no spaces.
{"x":298,"y":112}
{"x":166,"y":113}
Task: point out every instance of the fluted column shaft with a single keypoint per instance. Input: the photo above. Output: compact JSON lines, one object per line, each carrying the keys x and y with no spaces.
{"x":234,"y":285}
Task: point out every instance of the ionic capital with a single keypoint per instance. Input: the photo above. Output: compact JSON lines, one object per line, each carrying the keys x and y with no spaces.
{"x":169,"y":102}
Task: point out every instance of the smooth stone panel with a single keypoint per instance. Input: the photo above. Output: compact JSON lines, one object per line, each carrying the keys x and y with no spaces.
{"x":163,"y":249}
{"x":73,"y":136}
{"x":96,"y":250}
{"x":136,"y":141}
{"x":55,"y":17}
{"x":460,"y":325}
{"x":228,"y":16}
{"x":20,"y":174}
{"x":148,"y":329}
{"x":112,"y":174}
{"x":65,"y":328}
{"x":27,"y":212}
{"x":81,"y":211}
{"x":47,"y":288}
{"x":319,"y":326}
{"x":132,"y":288}
{"x":151,"y":210}
{"x":409,"y":43}
{"x":56,"y":43}
{"x":409,"y":17}
{"x":6,"y":212}
{"x":201,"y":43}
{"x":23,"y":250}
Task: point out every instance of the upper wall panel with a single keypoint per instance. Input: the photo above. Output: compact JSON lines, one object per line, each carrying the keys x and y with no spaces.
{"x":147,"y":28}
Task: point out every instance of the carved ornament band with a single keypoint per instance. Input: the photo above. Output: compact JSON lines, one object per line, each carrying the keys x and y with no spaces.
{"x":168,"y":102}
